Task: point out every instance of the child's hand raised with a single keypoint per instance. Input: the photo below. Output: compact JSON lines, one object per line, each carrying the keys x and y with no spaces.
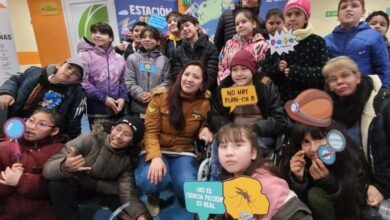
{"x":318,"y":170}
{"x":11,"y":176}
{"x":283,"y":65}
{"x":74,"y":162}
{"x":297,"y":164}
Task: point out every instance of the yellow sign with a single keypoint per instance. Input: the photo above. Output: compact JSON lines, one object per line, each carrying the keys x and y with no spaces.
{"x":237,"y":96}
{"x":243,"y":195}
{"x":49,"y":8}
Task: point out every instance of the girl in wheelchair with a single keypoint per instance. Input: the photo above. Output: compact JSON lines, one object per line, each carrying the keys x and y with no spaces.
{"x":239,"y":154}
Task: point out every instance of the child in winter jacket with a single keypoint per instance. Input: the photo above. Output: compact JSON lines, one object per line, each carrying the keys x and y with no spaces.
{"x":24,"y":193}
{"x":98,"y":165}
{"x":105,"y":85}
{"x":147,"y":69}
{"x":299,"y":69}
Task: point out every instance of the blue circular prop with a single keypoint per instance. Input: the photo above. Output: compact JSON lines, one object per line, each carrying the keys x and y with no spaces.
{"x":336,"y":140}
{"x":14,"y":128}
{"x":326,"y":155}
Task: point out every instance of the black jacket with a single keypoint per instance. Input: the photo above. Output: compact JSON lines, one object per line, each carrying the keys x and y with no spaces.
{"x":72,"y":106}
{"x":274,"y":119}
{"x":204,"y":51}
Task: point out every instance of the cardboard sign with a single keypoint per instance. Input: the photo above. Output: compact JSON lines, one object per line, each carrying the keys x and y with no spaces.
{"x":204,"y":198}
{"x":157,"y":21}
{"x":237,"y":96}
{"x":282,"y":42}
{"x":243,"y":196}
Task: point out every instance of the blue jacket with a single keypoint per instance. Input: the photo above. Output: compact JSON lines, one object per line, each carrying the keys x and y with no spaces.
{"x":71,"y":108}
{"x":365,"y":46}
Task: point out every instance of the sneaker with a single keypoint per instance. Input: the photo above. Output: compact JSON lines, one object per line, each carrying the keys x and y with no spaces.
{"x":153,"y":205}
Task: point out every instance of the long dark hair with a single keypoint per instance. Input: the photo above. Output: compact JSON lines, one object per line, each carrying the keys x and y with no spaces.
{"x":175,"y":115}
{"x":234,"y":132}
{"x":349,"y":169}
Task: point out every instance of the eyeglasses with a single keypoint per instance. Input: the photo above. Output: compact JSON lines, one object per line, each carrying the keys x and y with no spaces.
{"x":39,"y":124}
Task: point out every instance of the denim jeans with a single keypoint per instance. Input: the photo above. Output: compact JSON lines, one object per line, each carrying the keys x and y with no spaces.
{"x":180,"y":169}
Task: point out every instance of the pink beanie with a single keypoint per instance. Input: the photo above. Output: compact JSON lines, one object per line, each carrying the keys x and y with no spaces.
{"x":244,"y":58}
{"x":304,"y":5}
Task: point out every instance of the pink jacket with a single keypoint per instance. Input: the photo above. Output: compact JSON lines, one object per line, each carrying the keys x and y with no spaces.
{"x":258,"y":46}
{"x":275,"y":188}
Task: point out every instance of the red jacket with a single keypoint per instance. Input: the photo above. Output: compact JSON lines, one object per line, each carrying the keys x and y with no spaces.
{"x":30,"y":198}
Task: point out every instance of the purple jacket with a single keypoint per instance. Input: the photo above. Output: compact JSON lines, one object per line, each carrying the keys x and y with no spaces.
{"x":106,"y":77}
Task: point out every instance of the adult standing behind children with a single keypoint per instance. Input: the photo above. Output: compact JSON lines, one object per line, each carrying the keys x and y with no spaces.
{"x":195,"y":46}
{"x":105,"y":85}
{"x":355,"y":38}
{"x":57,"y":86}
{"x":299,"y":69}
{"x":147,"y":69}
{"x":226,"y":26}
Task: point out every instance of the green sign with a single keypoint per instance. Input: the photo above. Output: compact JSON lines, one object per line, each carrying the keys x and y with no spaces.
{"x":331,"y":14}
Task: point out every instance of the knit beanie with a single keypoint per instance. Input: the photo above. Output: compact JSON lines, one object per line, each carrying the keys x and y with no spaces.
{"x":304,"y":5}
{"x":244,"y":58}
{"x":136,"y":125}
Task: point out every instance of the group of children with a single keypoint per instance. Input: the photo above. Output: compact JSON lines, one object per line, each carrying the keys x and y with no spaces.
{"x":165,"y":84}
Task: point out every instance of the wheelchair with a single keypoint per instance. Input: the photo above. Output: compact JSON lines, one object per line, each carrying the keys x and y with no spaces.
{"x":209,"y":168}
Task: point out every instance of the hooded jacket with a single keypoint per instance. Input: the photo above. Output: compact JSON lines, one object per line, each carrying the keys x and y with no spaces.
{"x":29,"y":199}
{"x":141,"y":81}
{"x":106,"y":77}
{"x":111,"y":170}
{"x":365,"y":46}
{"x":21,"y":86}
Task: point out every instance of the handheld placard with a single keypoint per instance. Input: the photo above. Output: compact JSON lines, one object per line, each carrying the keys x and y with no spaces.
{"x":282,"y":42}
{"x":239,"y":95}
{"x":335,"y":142}
{"x":14,"y":129}
{"x":243,"y":196}
{"x":204,"y":198}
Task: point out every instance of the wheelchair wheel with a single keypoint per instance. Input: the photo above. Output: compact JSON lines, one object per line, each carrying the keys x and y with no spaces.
{"x":204,"y":170}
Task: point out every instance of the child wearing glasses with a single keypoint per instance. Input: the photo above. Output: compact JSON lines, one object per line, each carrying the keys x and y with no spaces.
{"x":23,"y":190}
{"x":98,"y":165}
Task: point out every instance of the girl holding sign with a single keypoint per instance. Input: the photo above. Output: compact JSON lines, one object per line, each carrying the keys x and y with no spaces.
{"x":147,"y":69}
{"x":173,"y":120}
{"x":322,"y":165}
{"x":24,"y":193}
{"x":239,"y":153}
{"x":300,"y":69}
{"x":266,"y":115}
{"x":247,"y":38}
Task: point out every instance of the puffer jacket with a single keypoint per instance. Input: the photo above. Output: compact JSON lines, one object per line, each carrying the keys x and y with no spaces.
{"x":258,"y":47}
{"x":106,"y":77}
{"x":204,"y":51}
{"x":139,"y":81}
{"x":269,"y":103}
{"x":365,"y":46}
{"x":111,"y":170}
{"x":161,"y":136}
{"x":29,"y":199}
